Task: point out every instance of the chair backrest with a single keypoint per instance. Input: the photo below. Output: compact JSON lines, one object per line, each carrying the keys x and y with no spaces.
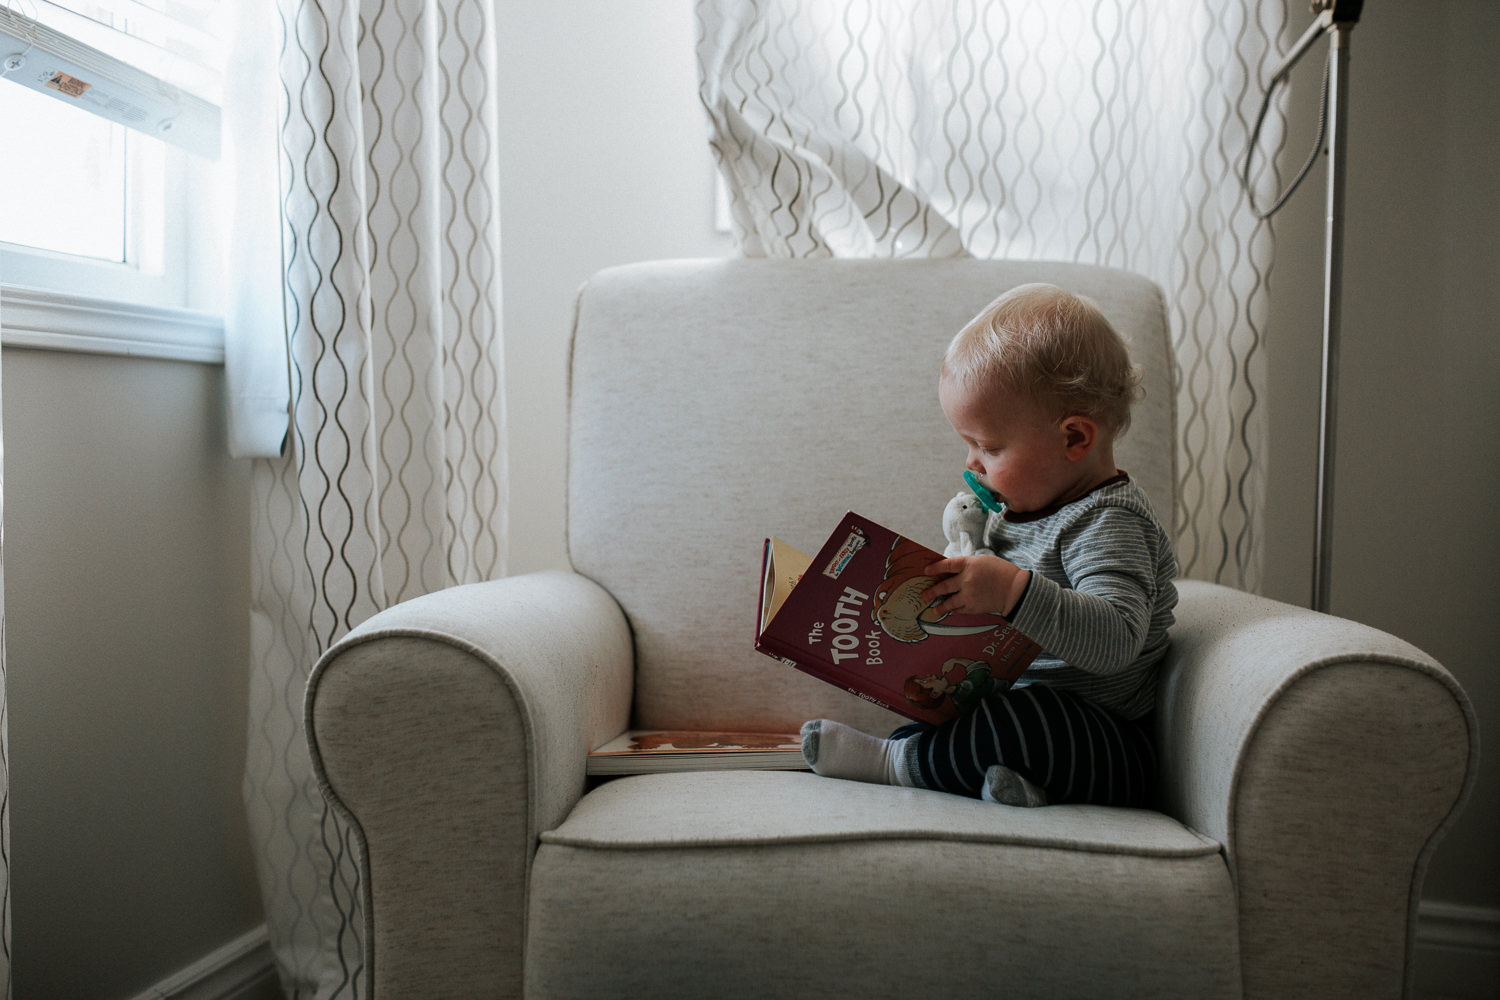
{"x":716,"y":402}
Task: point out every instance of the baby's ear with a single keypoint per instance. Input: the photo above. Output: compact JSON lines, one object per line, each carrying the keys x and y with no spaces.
{"x":1080,"y":434}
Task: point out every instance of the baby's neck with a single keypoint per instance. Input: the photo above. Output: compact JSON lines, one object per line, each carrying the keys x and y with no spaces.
{"x":1096,"y":469}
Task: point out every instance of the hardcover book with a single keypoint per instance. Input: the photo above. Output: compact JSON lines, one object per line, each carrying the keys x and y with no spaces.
{"x":852,"y":616}
{"x":649,"y":751}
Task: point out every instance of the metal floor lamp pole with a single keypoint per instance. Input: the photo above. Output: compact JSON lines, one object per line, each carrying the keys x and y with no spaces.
{"x":1333,"y":288}
{"x":1336,"y":18}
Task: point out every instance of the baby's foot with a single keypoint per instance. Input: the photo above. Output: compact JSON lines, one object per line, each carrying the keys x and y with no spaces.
{"x":835,"y":750}
{"x":1008,"y":788}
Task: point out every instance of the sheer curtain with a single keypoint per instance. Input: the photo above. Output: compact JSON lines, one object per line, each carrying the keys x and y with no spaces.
{"x":392,"y":484}
{"x":1102,"y":131}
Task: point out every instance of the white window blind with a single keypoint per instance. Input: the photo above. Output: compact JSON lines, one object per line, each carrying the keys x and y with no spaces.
{"x":150,"y":65}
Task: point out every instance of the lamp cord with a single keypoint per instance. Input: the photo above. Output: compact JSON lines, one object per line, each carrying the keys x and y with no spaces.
{"x":1265,"y":106}
{"x":16,"y":60}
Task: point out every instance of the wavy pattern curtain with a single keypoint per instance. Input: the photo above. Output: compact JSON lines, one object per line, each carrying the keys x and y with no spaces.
{"x":393,"y":484}
{"x":1102,"y":131}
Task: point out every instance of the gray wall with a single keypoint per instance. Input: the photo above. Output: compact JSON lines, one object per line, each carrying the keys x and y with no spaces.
{"x":126,"y":552}
{"x":1416,"y":540}
{"x":126,"y":584}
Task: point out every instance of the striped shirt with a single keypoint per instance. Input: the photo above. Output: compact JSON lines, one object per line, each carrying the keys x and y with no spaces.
{"x":1101,"y":595}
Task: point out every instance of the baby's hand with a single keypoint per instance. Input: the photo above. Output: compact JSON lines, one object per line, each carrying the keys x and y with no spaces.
{"x":976,"y":585}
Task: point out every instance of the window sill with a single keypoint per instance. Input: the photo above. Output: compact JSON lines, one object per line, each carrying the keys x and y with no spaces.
{"x":54,"y":321}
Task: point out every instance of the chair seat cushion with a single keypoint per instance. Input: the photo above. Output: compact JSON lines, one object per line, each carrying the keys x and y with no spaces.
{"x":751,"y":884}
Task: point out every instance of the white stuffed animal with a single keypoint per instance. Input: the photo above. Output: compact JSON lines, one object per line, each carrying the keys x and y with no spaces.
{"x":964,"y":520}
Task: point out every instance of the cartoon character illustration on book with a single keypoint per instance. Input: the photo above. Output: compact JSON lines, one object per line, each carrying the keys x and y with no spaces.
{"x":967,"y":682}
{"x":899,"y":608}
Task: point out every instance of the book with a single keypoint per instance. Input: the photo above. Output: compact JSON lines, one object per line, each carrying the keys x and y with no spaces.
{"x":852,"y":616}
{"x":647,"y":751}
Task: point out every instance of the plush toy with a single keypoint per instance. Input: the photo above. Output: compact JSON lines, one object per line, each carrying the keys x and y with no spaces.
{"x":963,"y":524}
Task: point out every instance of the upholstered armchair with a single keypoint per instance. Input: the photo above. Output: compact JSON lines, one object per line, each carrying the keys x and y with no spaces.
{"x":1309,"y":764}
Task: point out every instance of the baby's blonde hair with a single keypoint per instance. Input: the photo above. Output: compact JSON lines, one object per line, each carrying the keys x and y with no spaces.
{"x":1055,"y":348}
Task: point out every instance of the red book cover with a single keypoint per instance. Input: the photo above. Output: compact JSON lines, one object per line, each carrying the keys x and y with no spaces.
{"x":852,"y":616}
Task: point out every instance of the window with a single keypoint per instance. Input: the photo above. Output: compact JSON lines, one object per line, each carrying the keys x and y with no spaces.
{"x":67,"y":194}
{"x":86,"y":209}
{"x":79,"y":186}
{"x":85,"y":217}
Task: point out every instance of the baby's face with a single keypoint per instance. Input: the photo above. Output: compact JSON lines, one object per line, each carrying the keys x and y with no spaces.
{"x":1017,"y":450}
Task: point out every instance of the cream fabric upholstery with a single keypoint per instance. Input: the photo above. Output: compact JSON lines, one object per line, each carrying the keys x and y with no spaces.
{"x":791,"y":885}
{"x":1309,"y":764}
{"x":769,"y":397}
{"x":1328,"y":758}
{"x":450,"y":737}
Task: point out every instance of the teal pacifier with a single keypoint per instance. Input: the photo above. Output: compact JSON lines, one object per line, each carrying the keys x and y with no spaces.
{"x":987,"y":499}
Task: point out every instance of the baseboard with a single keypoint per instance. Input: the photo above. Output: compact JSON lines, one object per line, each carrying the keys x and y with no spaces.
{"x":1458,"y":952}
{"x":243,"y":969}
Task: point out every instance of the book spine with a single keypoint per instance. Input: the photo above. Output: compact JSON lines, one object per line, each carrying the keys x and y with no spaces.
{"x":829,"y":674}
{"x":821,"y":669}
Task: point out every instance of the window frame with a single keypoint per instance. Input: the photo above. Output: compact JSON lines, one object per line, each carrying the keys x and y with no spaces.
{"x":166,"y":298}
{"x":164,"y":304}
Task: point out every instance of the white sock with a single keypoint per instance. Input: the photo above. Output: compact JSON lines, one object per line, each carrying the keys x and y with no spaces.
{"x":835,"y":750}
{"x":1008,"y":788}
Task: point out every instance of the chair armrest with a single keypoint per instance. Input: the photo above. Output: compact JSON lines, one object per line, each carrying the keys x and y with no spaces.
{"x":449,"y":731}
{"x":1328,"y":758}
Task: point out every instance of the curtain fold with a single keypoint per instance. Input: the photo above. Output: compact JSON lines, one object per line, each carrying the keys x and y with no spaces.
{"x":392,"y":484}
{"x":1101,"y":131}
{"x":255,"y":348}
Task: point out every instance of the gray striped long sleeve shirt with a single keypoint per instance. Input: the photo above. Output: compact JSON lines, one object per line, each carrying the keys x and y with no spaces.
{"x":1101,"y":595}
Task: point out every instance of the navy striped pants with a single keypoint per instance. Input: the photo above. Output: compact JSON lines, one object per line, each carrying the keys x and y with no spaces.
{"x":1060,"y":741}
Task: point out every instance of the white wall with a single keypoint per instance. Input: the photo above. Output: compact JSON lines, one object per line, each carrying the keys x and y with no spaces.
{"x":605,"y":161}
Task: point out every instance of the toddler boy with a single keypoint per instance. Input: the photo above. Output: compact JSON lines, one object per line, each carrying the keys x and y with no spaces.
{"x":1039,"y":387}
